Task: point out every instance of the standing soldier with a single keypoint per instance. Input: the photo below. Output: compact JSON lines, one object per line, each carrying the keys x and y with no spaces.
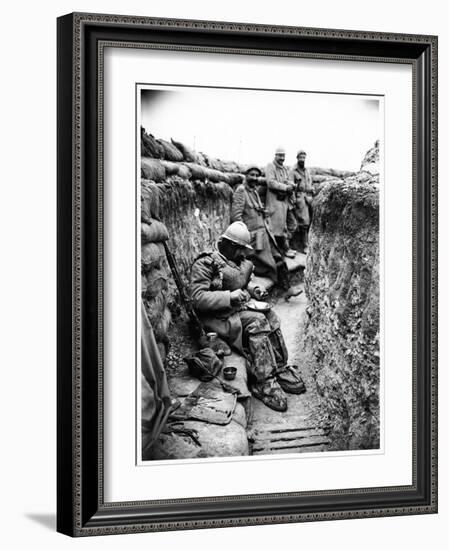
{"x":303,"y":197}
{"x":279,"y":191}
{"x":248,"y":208}
{"x":221,"y":286}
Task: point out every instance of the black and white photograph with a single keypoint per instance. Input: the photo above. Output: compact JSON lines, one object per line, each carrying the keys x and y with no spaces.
{"x":258,"y":272}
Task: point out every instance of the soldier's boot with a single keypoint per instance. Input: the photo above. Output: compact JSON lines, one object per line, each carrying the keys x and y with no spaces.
{"x":289,"y":252}
{"x":271,"y":394}
{"x":305,"y":240}
{"x":284,"y":281}
{"x":288,"y":376}
{"x":292,"y":291}
{"x":290,"y":379}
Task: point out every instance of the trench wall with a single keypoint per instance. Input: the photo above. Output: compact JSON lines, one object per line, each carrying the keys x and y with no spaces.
{"x":342,"y":328}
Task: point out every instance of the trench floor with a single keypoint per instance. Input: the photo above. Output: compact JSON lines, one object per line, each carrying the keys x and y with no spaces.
{"x":296,"y":430}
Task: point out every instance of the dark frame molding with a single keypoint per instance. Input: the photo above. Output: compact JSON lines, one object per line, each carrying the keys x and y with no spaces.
{"x":81,"y":510}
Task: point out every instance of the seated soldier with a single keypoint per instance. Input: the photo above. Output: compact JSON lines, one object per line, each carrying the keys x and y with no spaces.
{"x":221,"y":284}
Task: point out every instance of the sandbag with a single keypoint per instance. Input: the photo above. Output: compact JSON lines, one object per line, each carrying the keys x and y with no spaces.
{"x":171,"y":151}
{"x":184,"y":172}
{"x":215,"y":440}
{"x":188,"y":154}
{"x":229,"y":166}
{"x":153,"y":169}
{"x":171,"y":168}
{"x":153,"y":232}
{"x":214,"y":175}
{"x":151,"y":256}
{"x":224,"y":189}
{"x":150,"y":146}
{"x":149,"y":201}
{"x":215,"y":164}
{"x":157,"y":282}
{"x":224,"y":177}
{"x":209,"y":403}
{"x":202,"y":159}
{"x":223,"y":165}
{"x":197,"y":171}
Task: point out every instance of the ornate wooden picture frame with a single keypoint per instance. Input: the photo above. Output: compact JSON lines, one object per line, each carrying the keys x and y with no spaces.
{"x":81,"y":508}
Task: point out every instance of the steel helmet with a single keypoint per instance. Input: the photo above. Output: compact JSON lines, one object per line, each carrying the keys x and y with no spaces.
{"x":238,"y":233}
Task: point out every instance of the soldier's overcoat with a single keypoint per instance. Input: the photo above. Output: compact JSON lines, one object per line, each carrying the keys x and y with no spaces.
{"x":247,"y":207}
{"x":278,"y":201}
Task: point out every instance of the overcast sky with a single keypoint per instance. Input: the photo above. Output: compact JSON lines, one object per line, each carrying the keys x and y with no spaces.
{"x":336,"y":130}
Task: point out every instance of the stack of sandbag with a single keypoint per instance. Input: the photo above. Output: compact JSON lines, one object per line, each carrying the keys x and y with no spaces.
{"x":155,"y":276}
{"x":153,"y":169}
{"x":320,"y":174}
{"x":161,"y":160}
{"x":158,"y":148}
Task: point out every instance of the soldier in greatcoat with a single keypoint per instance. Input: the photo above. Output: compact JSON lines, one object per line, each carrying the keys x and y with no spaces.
{"x":221,"y":285}
{"x":279,"y":201}
{"x":302,"y":199}
{"x":247,"y":206}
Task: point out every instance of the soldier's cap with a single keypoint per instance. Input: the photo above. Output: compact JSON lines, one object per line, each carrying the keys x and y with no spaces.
{"x":280,"y":151}
{"x":248,"y":170}
{"x":301,"y":152}
{"x":238,"y":233}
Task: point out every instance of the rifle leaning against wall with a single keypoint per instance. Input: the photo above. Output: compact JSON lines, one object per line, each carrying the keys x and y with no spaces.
{"x":185,"y":299}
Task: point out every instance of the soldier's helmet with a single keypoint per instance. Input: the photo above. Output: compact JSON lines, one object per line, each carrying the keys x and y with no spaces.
{"x":238,"y":233}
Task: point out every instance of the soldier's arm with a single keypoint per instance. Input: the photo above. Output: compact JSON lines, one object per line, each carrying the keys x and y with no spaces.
{"x":296,"y":179}
{"x":309,"y":183}
{"x":238,"y":204}
{"x":272,"y":184}
{"x":255,"y":290}
{"x":203,"y":298}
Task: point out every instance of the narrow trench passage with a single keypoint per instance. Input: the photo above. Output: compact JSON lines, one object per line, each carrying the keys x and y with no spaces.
{"x":295,"y":430}
{"x":266,"y":431}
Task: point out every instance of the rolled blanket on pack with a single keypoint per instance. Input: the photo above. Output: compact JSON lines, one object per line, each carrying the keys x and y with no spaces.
{"x":153,"y":232}
{"x":171,"y":151}
{"x":153,"y":169}
{"x":188,"y":154}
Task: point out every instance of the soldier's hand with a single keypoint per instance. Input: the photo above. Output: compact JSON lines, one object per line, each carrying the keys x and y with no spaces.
{"x":238,"y":297}
{"x":290,"y":188}
{"x":260,"y":292}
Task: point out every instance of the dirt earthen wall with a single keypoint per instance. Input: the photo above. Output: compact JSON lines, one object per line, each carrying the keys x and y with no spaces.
{"x":342,"y":329}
